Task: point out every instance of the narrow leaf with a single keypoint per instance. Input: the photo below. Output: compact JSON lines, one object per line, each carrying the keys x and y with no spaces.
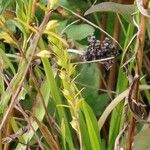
{"x":84,"y":133}
{"x":46,"y":133}
{"x":91,"y":126}
{"x":7,"y":61}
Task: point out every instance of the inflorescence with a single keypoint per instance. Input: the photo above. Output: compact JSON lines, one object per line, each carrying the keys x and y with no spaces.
{"x":98,"y":50}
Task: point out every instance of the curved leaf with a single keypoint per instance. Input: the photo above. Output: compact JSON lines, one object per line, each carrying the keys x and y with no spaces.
{"x":114,"y":103}
{"x":141,"y":8}
{"x":125,"y":10}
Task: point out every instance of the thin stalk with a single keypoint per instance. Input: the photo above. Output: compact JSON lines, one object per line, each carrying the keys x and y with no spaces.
{"x":112,"y":79}
{"x":138,"y":70}
{"x":17,"y":81}
{"x":95,"y":15}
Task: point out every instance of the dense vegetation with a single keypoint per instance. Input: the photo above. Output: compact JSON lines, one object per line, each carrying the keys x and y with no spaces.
{"x":74,"y":74}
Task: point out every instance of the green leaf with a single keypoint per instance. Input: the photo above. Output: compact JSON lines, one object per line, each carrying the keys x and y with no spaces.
{"x":110,"y":107}
{"x":19,"y":26}
{"x":92,"y":126}
{"x":117,"y":116}
{"x":52,"y":85}
{"x":7,"y":61}
{"x":89,"y":79}
{"x":4,"y":4}
{"x":39,"y":112}
{"x":54,"y":4}
{"x":63,"y":133}
{"x":125,"y":10}
{"x":84,"y":133}
{"x":7,"y":38}
{"x":19,"y":10}
{"x":79,"y":32}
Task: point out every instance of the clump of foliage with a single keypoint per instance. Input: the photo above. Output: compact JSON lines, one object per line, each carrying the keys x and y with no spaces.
{"x":58,"y":92}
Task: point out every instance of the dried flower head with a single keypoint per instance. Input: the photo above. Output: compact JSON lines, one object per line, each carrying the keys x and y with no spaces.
{"x":100,"y":50}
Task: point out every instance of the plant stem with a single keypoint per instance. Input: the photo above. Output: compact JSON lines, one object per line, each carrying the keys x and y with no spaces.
{"x":131,"y":131}
{"x":138,"y":70}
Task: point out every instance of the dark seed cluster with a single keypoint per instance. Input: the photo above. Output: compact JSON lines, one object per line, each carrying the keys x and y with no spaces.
{"x":100,"y":50}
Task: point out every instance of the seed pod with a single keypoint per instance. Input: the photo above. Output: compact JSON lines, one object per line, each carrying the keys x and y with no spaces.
{"x":100,"y":50}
